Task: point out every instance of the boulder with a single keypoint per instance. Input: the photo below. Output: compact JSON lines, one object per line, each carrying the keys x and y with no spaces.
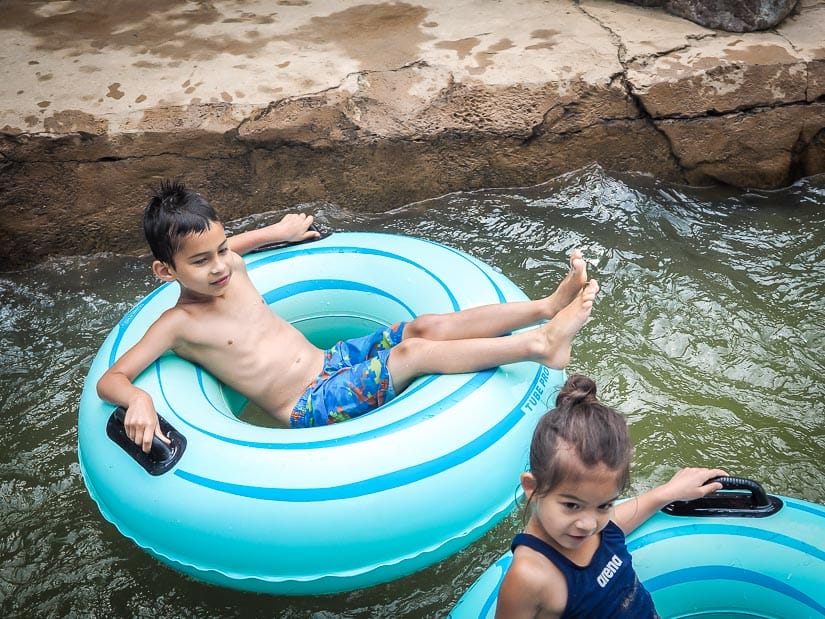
{"x":730,"y":15}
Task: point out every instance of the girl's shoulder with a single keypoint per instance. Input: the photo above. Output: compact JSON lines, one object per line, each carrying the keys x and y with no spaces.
{"x":535,"y":578}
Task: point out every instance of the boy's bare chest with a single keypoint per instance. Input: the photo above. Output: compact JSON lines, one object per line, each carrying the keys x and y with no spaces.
{"x":236,"y":322}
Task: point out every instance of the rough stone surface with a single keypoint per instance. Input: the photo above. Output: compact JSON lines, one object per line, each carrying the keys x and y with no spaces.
{"x":732,"y":15}
{"x":265,"y":105}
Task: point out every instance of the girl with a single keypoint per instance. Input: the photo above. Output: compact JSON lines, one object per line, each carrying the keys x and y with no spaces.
{"x":571,"y":560}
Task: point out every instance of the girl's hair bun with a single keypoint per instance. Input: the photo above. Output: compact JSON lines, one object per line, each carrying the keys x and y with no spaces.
{"x":578,"y":388}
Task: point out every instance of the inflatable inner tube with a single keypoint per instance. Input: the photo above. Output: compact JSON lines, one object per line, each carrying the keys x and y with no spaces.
{"x":334,"y":508}
{"x":736,"y":553}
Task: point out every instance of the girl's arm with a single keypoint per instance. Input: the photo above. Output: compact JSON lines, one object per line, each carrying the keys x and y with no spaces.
{"x":293,"y":227}
{"x":684,"y":485}
{"x":116,"y":384}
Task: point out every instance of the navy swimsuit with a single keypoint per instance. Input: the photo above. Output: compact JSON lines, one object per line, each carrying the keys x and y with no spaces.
{"x":608,"y":587}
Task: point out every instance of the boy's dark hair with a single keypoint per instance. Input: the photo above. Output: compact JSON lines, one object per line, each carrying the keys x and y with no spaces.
{"x":172,"y":213}
{"x":596,"y":434}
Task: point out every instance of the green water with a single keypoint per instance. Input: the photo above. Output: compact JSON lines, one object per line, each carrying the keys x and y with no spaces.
{"x":707,"y":333}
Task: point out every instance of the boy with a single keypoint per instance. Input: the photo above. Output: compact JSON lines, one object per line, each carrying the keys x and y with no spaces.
{"x":222,"y":323}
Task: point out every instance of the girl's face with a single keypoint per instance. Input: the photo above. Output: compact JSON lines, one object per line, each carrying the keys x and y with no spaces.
{"x":575,"y":511}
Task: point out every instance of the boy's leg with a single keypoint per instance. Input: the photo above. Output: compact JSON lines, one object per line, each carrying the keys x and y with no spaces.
{"x":550,"y":344}
{"x":500,"y":318}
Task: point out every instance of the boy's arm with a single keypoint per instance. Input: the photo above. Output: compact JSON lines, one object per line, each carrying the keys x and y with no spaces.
{"x":115,"y":386}
{"x":685,"y":485}
{"x":293,"y":227}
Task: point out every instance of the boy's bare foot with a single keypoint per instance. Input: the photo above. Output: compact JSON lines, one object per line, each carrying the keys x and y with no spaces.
{"x":564,"y":326}
{"x":570,"y":286}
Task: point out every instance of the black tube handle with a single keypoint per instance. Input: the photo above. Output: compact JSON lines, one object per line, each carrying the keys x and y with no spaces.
{"x":160,"y":451}
{"x":759,"y":498}
{"x":161,"y":457}
{"x":282,"y":244}
{"x":739,"y":497}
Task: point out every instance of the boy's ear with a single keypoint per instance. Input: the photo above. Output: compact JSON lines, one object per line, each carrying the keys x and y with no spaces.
{"x":163,"y":271}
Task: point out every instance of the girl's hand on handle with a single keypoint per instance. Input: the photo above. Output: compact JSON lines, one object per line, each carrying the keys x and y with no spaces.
{"x":685,"y":485}
{"x":691,"y":483}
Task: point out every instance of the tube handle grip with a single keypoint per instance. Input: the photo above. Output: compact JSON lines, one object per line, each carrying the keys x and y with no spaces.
{"x":161,"y":457}
{"x":759,"y":498}
{"x":739,"y":497}
{"x":282,"y":244}
{"x":160,"y":451}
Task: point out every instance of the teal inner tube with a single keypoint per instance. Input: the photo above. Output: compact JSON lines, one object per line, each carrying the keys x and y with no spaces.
{"x":759,"y":558}
{"x":335,"y":508}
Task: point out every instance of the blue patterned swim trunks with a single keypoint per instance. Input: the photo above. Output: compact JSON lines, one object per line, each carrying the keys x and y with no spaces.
{"x":354,"y":381}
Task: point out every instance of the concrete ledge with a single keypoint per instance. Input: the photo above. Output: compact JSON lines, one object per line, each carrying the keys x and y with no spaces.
{"x":262,"y":105}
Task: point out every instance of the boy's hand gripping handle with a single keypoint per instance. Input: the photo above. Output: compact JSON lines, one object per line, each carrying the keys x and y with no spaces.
{"x":161,"y":457}
{"x":281,"y":244}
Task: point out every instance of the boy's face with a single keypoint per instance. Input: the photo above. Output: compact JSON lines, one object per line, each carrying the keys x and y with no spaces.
{"x":203,"y":265}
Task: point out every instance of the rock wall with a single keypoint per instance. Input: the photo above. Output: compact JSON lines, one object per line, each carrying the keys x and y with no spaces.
{"x":629,"y":87}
